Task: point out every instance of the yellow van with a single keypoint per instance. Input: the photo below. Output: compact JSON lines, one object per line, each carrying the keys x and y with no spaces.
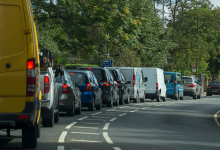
{"x":19,"y":71}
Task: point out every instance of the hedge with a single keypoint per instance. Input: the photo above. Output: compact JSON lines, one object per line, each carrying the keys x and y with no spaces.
{"x":74,"y":66}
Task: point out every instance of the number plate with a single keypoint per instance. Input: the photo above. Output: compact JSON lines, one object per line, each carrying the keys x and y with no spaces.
{"x":184,"y":85}
{"x":214,"y":90}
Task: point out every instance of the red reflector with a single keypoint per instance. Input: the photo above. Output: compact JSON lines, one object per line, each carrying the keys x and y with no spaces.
{"x":30,"y":63}
{"x":157,"y":86}
{"x":71,"y":73}
{"x":209,"y":86}
{"x":89,"y":68}
{"x":22,"y":117}
{"x":134,"y":80}
{"x":191,"y":85}
{"x":65,"y":89}
{"x":175,"y":82}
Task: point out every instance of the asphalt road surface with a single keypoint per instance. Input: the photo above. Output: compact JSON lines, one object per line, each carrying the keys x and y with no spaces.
{"x":172,"y":125}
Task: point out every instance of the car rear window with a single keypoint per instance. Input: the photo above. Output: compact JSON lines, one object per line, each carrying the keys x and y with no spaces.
{"x":114,"y":74}
{"x":187,"y":79}
{"x":168,"y":77}
{"x":99,"y":74}
{"x":80,"y":78}
{"x":214,"y":84}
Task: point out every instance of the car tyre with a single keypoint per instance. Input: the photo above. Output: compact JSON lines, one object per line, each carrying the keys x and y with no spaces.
{"x":164,"y":98}
{"x":199,"y":96}
{"x":78,"y":111}
{"x":143,"y":99}
{"x":29,"y":136}
{"x":110,"y":103}
{"x":48,"y":122}
{"x":56,"y":117}
{"x":92,"y":106}
{"x":121,"y":101}
{"x":195,"y":96}
{"x":158,"y":98}
{"x":38,"y":129}
{"x":99,"y":106}
{"x":152,"y":98}
{"x":71,"y":110}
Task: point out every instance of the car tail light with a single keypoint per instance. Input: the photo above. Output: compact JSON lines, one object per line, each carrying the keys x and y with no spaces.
{"x":105,"y":83}
{"x":46,"y":84}
{"x":157,"y":86}
{"x":65,"y":89}
{"x":71,"y":73}
{"x":31,"y":78}
{"x":89,"y":68}
{"x":23,"y":117}
{"x":209,"y":86}
{"x":88,"y":87}
{"x":192,"y":85}
{"x":175,"y":82}
{"x":134,"y":80}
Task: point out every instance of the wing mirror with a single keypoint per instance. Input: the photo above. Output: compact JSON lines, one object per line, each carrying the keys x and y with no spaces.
{"x":128,"y":82}
{"x":145,"y":79}
{"x":46,"y":59}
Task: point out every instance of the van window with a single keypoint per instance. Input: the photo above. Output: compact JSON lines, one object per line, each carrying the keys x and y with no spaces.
{"x":168,"y":77}
{"x":12,"y":37}
{"x":179,"y":79}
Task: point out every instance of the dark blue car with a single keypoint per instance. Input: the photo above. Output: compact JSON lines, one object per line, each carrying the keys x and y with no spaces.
{"x":89,"y":87}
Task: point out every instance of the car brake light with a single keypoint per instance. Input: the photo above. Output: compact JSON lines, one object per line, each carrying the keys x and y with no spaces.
{"x":46,"y":84}
{"x":157,"y":86}
{"x":65,"y":89}
{"x":191,"y":85}
{"x":71,"y":73}
{"x":209,"y":86}
{"x":134,"y":80}
{"x":88,"y":87}
{"x":175,"y":82}
{"x":104,"y":83}
{"x":22,"y":117}
{"x":31,"y":78}
{"x":89,"y":68}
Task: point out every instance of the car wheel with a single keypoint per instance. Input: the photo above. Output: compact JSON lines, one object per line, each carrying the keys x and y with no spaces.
{"x":92,"y":106}
{"x":195,"y":96}
{"x":136,"y":99}
{"x":78,"y":111}
{"x":121,"y":101}
{"x":181,"y":98}
{"x":152,"y":98}
{"x":38,"y":129}
{"x":56,"y":115}
{"x":29,"y":136}
{"x":99,"y":107}
{"x":158,"y":98}
{"x":110,"y":103}
{"x":164,"y":98}
{"x":143,"y":99}
{"x":71,"y":110}
{"x":199,"y":96}
{"x":177,"y":97}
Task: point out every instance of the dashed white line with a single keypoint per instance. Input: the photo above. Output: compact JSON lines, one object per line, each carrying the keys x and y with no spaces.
{"x":74,"y":140}
{"x":62,"y":137}
{"x":70,"y":125}
{"x":113,"y":119}
{"x":111,"y":110}
{"x":85,"y":133}
{"x":116,"y":148}
{"x":85,"y":127}
{"x":97,"y":113}
{"x":106,"y":126}
{"x":108,"y":140}
{"x":145,"y":107}
{"x":216,"y":118}
{"x":122,"y":114}
{"x":60,"y":147}
{"x":134,"y":111}
{"x":83,"y":118}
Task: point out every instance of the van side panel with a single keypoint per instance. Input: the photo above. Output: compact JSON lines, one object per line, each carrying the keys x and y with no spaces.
{"x":13,"y":52}
{"x":152,"y":80}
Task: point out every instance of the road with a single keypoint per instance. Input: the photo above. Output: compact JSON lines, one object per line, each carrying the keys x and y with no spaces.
{"x":170,"y":125}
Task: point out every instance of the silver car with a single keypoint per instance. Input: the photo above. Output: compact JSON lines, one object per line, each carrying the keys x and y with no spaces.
{"x":191,"y":87}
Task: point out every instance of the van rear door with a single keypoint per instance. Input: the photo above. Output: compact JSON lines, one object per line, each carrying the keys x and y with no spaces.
{"x":151,"y":74}
{"x":13,"y":57}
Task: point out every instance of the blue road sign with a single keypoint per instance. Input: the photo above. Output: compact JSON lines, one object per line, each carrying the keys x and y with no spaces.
{"x":107,"y":63}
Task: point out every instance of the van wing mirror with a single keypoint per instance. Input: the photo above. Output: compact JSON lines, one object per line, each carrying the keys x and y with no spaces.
{"x":128,"y":82}
{"x":46,"y":59}
{"x":145,"y":79}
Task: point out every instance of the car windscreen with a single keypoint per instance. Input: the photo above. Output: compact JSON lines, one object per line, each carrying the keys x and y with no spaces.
{"x":114,"y":73}
{"x":187,"y":79}
{"x":214,"y":84}
{"x":168,"y":77}
{"x":80,"y":78}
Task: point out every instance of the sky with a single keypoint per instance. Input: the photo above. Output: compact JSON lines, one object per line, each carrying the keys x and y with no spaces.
{"x":215,"y":2}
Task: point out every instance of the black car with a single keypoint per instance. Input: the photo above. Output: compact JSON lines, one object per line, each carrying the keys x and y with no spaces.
{"x":89,"y":87}
{"x":122,"y":85}
{"x":213,"y":88}
{"x":69,"y":94}
{"x":110,"y":91}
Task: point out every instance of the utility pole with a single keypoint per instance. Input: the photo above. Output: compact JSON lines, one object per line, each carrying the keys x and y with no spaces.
{"x":197,"y":48}
{"x":107,"y":47}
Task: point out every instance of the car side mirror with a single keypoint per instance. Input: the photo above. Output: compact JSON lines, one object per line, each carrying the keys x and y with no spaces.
{"x":145,"y":79}
{"x":46,"y":59}
{"x":128,"y":82}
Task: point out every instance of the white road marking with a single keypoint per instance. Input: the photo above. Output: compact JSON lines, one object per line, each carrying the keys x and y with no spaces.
{"x":85,"y":133}
{"x":60,"y":147}
{"x":122,"y":114}
{"x":116,"y":148}
{"x":111,"y":110}
{"x":106,"y":126}
{"x":113,"y":119}
{"x":108,"y":140}
{"x":134,"y":111}
{"x":215,"y":117}
{"x":70,"y":125}
{"x":89,"y":123}
{"x":97,"y":113}
{"x":62,"y":137}
{"x":83,"y":118}
{"x":85,"y":127}
{"x":74,"y":140}
{"x":123,"y":107}
{"x":145,"y":107}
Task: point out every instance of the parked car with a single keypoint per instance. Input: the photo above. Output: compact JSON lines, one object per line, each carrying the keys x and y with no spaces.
{"x":135,"y":82}
{"x":122,"y":85}
{"x":213,"y":88}
{"x":174,"y":85}
{"x":89,"y":88}
{"x":110,"y":91}
{"x":69,"y":93}
{"x":155,"y":86}
{"x":19,"y":72}
{"x":49,"y":89}
{"x":191,"y":87}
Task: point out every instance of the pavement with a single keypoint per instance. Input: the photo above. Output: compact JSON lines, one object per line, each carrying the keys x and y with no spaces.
{"x":172,"y":125}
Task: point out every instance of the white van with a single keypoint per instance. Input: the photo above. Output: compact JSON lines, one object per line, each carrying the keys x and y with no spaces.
{"x":155,"y":87}
{"x":136,"y":84}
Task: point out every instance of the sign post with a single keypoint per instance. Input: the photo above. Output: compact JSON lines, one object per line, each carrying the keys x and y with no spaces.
{"x":107,"y":63}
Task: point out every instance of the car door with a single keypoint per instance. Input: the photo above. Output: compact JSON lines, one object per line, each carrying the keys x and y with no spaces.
{"x":98,"y":89}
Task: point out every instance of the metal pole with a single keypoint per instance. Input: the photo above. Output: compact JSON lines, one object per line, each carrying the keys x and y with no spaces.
{"x":107,"y":46}
{"x":197,"y":48}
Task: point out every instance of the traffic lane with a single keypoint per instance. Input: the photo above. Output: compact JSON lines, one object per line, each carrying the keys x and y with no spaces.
{"x":178,"y":126}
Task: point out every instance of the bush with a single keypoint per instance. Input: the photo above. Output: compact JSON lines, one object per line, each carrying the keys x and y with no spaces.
{"x":74,"y":66}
